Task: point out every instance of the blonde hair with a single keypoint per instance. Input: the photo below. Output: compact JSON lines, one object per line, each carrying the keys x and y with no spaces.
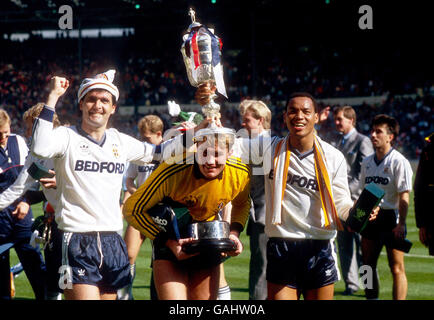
{"x":258,"y":109}
{"x":4,"y":118}
{"x":348,"y":112}
{"x":150,"y":122}
{"x":32,"y":113}
{"x":218,"y":140}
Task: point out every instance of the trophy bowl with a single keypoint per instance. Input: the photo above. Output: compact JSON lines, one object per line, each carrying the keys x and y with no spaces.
{"x":209,"y":236}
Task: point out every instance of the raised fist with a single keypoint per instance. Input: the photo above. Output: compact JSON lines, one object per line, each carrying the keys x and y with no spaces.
{"x":204,"y":92}
{"x":58,"y":85}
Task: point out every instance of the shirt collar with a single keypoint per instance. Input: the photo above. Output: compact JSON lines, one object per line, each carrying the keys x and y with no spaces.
{"x":84,"y":134}
{"x":346,"y":136}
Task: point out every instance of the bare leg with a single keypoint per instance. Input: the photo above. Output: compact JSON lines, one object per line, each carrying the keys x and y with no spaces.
{"x":323,"y":293}
{"x":222,"y":278}
{"x":396,"y":264}
{"x":134,"y":240}
{"x":108,"y":296}
{"x":170,"y":282}
{"x":281,"y":292}
{"x":82,"y":292}
{"x":204,"y":284}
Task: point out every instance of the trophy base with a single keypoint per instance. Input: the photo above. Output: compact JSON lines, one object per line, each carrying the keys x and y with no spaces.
{"x":209,"y":245}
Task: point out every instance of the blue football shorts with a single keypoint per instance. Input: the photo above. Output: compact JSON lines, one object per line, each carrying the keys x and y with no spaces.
{"x":94,"y":258}
{"x":302,"y":264}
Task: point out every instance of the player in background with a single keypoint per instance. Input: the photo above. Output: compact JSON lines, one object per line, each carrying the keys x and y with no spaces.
{"x":28,"y":187}
{"x":151,"y":130}
{"x":390,"y":171}
{"x":16,"y":218}
{"x":256,"y":119}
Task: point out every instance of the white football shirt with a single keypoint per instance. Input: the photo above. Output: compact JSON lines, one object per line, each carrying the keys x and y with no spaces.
{"x":141,"y":173}
{"x":302,"y":213}
{"x":393,"y":174}
{"x":89,"y":174}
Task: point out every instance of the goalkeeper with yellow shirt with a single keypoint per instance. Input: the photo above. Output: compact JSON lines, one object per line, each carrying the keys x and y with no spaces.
{"x":203,"y":184}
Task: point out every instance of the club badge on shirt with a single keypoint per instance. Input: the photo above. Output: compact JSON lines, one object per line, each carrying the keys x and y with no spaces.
{"x":115,"y":150}
{"x":190,"y":201}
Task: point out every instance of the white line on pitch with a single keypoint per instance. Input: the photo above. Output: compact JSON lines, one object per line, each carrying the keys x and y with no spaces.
{"x":412,"y":255}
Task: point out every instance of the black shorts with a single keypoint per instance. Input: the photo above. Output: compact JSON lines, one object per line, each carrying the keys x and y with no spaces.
{"x":380,"y":228}
{"x":204,"y":260}
{"x":53,"y":258}
{"x":301,"y":264}
{"x":94,"y":258}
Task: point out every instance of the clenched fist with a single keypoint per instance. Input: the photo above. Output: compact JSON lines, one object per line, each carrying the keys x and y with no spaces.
{"x":58,"y":86}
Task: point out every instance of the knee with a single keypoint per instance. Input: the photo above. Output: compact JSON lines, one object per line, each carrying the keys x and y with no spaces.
{"x":397,"y":269}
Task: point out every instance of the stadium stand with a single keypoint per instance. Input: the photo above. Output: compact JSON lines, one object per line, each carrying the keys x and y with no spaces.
{"x":329,"y":61}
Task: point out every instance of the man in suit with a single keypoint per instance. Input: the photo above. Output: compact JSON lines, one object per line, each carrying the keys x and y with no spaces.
{"x":256,"y":119}
{"x":355,"y":147}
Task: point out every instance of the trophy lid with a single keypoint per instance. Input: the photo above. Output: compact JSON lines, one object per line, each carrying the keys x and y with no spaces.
{"x":193,"y":24}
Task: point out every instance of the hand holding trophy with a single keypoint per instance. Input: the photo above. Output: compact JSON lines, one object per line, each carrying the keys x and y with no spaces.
{"x":201,"y":51}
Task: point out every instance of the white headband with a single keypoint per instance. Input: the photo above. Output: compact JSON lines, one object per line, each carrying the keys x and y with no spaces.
{"x":100,"y":81}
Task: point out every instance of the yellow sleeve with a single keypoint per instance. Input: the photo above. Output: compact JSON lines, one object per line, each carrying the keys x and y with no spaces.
{"x":241,"y":205}
{"x":150,"y":193}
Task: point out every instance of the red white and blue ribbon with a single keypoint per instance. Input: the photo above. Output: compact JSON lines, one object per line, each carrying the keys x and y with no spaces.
{"x":192,"y":52}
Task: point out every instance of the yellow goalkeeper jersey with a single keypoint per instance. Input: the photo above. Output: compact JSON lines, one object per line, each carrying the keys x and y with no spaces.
{"x":183,"y":183}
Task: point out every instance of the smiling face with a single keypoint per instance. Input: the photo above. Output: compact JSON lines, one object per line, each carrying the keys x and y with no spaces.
{"x":97,"y":107}
{"x":214,"y":164}
{"x":211,"y":157}
{"x":300,"y":116}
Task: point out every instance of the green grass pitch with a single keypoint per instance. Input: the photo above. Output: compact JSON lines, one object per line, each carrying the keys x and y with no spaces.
{"x":418,"y":264}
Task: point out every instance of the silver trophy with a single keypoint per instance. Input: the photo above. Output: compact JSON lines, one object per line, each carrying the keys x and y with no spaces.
{"x":201,"y":51}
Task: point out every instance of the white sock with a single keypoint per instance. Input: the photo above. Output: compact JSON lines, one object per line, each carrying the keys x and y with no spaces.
{"x":126,"y":293}
{"x":54,"y":295}
{"x":224,"y":293}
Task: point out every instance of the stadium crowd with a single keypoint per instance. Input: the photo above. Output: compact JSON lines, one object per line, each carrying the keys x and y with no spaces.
{"x":152,"y":76}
